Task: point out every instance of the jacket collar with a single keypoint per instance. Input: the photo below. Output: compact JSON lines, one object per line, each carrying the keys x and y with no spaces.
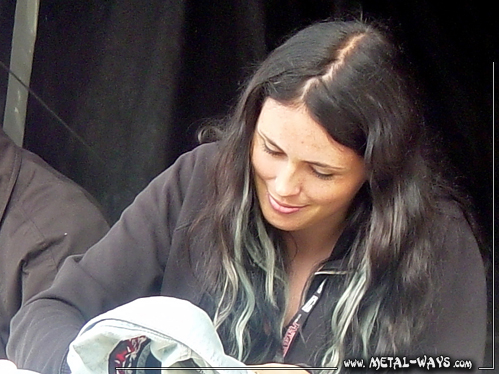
{"x":337,"y":264}
{"x":10,"y":163}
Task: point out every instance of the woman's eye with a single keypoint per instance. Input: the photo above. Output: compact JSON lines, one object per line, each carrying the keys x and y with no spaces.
{"x":325,"y":176}
{"x":271,"y":151}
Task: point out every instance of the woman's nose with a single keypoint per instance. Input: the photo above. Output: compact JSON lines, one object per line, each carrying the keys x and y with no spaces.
{"x":287,"y":181}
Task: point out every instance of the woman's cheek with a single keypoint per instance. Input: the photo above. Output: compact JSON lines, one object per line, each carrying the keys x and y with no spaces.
{"x":264,"y":165}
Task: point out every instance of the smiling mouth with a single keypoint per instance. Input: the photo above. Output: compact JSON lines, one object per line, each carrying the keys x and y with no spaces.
{"x":282,"y":208}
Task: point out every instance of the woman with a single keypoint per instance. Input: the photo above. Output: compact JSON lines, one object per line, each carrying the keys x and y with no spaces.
{"x":320,"y":193}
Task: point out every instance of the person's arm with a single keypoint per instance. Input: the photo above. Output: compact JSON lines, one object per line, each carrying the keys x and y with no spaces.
{"x":126,"y":264}
{"x":47,"y":218}
{"x":458,"y":330}
{"x":62,"y":220}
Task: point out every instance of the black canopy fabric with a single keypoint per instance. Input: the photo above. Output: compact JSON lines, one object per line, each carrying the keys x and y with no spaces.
{"x":135,"y":79}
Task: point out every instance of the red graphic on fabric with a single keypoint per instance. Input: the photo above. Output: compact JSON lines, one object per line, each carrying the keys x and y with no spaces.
{"x":126,"y":353}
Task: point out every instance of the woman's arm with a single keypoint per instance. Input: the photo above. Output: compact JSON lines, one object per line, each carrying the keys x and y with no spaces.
{"x":458,"y":328}
{"x":126,"y":264}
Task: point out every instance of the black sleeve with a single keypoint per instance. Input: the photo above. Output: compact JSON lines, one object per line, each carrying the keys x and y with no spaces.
{"x":126,"y":264}
{"x":458,"y":328}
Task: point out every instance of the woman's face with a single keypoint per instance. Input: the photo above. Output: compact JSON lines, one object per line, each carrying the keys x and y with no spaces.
{"x":304,"y":179}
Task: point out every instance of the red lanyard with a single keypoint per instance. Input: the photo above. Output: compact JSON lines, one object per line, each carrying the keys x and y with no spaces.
{"x":299,"y":319}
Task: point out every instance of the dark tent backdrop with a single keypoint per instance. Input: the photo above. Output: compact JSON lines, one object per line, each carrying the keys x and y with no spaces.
{"x":135,"y":79}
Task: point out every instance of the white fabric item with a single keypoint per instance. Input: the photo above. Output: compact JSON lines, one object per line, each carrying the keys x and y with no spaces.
{"x":178,"y":331}
{"x":8,"y":367}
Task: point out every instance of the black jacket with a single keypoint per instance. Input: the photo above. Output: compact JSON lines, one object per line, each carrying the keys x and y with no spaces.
{"x":44,"y":217}
{"x":144,"y":254}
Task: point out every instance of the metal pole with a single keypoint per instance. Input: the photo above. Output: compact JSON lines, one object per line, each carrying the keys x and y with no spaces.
{"x":21,"y":60}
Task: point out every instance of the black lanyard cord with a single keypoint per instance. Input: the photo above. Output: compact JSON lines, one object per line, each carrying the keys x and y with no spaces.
{"x":300,"y":318}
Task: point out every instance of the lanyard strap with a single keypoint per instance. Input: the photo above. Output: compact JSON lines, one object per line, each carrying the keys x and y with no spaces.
{"x":300,"y":318}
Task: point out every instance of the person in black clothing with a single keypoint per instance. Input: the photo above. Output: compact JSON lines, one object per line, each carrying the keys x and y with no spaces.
{"x":317,"y":229}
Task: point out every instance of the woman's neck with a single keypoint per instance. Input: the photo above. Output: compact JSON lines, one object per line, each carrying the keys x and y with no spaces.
{"x":306,"y":250}
{"x":313,"y":244}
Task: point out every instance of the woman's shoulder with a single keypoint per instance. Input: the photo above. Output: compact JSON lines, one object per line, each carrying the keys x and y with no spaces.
{"x":190,"y":166}
{"x":183,"y":183}
{"x":450,"y":212}
{"x":201,"y":152}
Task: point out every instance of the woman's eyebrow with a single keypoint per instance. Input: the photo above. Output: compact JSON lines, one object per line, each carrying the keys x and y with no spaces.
{"x":315,"y":163}
{"x":267,"y":139}
{"x":325,"y":166}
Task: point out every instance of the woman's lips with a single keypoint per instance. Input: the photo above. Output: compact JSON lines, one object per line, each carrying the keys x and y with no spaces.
{"x":281,"y":208}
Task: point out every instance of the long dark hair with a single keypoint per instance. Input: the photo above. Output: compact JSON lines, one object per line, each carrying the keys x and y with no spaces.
{"x":350,"y":77}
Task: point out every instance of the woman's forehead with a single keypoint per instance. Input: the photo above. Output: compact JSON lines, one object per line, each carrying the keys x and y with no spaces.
{"x":293,"y":130}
